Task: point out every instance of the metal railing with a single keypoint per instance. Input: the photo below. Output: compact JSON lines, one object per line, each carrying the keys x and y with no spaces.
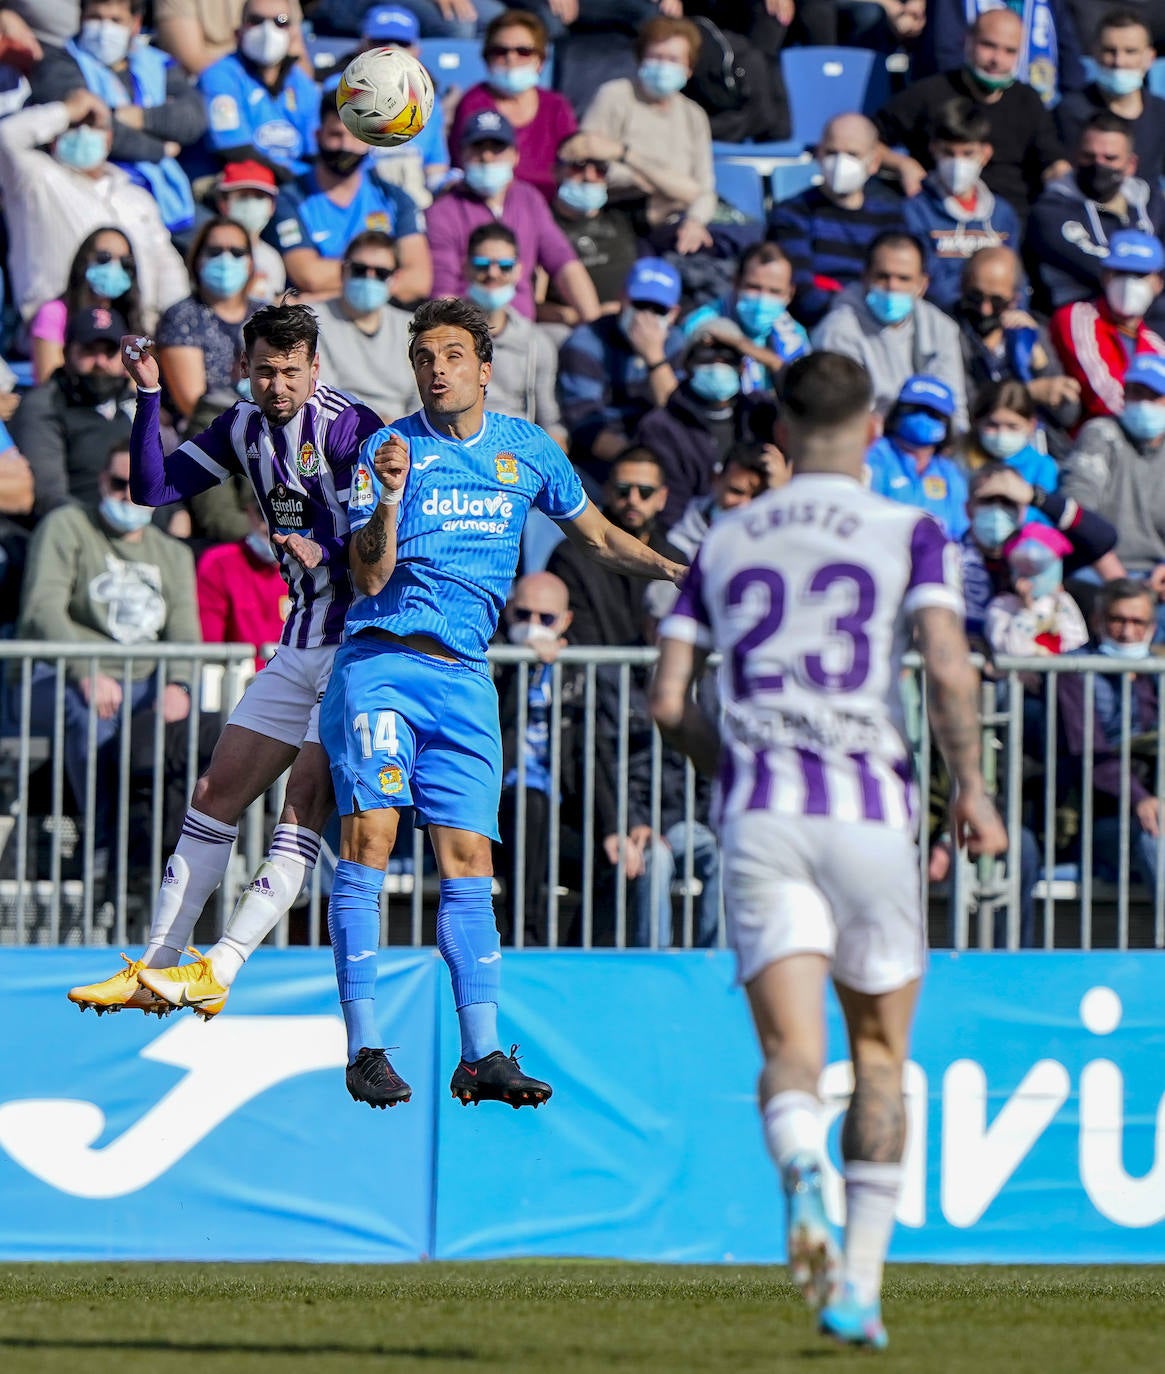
{"x":54,"y":887}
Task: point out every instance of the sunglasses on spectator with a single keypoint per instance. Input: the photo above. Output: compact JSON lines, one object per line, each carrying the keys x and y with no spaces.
{"x":102,"y":256}
{"x":218,"y":250}
{"x":980,"y":298}
{"x":653,"y":307}
{"x":524,"y":613}
{"x":1132,"y":620}
{"x":495,"y":50}
{"x":584,"y":162}
{"x":117,"y":483}
{"x":624,"y":489}
{"x":484,"y":264}
{"x":280,"y":21}
{"x":366,"y":269}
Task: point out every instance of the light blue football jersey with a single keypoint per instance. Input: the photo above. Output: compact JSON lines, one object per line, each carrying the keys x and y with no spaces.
{"x":459,"y":526}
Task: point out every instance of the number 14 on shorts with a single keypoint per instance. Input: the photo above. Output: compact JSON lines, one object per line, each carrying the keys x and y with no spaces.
{"x":381,"y":738}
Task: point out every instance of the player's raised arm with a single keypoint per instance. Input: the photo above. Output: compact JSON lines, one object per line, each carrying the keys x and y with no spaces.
{"x":615,"y":548}
{"x":372,"y":553}
{"x":674,"y":709}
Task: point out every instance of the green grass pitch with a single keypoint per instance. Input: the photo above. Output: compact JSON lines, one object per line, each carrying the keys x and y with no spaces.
{"x":564,"y":1318}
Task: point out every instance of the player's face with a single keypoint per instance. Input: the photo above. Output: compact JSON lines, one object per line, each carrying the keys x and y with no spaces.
{"x":635,"y":495}
{"x":449,"y":375}
{"x":280,"y":382}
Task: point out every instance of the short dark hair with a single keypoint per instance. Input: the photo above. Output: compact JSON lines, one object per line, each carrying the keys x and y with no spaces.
{"x":136,"y":7}
{"x":1009,"y":394}
{"x":370,"y":238}
{"x":762,"y":254}
{"x":491,"y":232}
{"x":522,"y":19}
{"x":283,"y":327}
{"x":1122,"y":19}
{"x":960,"y":121}
{"x":749,"y":457}
{"x":825,"y":389}
{"x":896,"y":238}
{"x":456,"y":314}
{"x":636,"y":453}
{"x":1105,"y":122}
{"x":122,"y":446}
{"x":328,"y":104}
{"x":982,"y":475}
{"x":1123,"y":589}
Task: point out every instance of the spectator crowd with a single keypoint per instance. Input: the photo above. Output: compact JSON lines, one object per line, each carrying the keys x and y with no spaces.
{"x":986,"y":240}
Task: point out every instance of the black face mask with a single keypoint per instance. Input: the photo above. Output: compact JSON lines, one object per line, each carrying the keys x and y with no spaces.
{"x":972,"y":313}
{"x":1099,"y":183}
{"x":340,"y":161}
{"x":95,"y":388}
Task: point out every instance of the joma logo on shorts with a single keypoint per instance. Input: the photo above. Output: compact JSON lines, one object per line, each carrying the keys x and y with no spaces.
{"x":457,"y":503}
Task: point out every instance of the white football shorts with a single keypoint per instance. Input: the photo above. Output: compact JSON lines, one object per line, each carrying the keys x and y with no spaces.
{"x":283,"y":700}
{"x":812,"y":885}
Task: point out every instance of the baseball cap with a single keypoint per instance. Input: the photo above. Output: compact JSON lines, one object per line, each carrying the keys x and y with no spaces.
{"x":924,"y":390}
{"x":391,"y":24}
{"x":1147,"y":369}
{"x":1032,"y":548}
{"x":94,"y":323}
{"x":1132,"y":250}
{"x":488,"y":126}
{"x":652,"y":279}
{"x":247,"y":176}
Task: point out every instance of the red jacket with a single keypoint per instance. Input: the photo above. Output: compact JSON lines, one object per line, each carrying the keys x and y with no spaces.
{"x":240,"y":599}
{"x":1086,"y":337}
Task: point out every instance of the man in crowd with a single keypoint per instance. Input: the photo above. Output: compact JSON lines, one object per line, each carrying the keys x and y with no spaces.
{"x":906,"y":463}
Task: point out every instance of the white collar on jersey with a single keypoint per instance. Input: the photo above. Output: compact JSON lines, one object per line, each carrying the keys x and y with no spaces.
{"x":449,"y":438}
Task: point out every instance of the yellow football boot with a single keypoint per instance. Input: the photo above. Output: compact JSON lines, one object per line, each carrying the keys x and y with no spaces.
{"x":189,"y":985}
{"x":122,"y":990}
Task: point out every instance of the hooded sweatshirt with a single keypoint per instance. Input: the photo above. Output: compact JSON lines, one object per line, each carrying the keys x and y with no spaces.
{"x":953,"y":230}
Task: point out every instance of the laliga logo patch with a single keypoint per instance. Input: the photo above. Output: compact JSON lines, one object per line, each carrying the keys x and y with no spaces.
{"x":506,"y":466}
{"x":308,"y":460}
{"x":361,"y":487}
{"x":391,"y":779}
{"x":377,"y":220}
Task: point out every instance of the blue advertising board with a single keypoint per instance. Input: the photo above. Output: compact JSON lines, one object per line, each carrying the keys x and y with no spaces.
{"x":1036,"y":1093}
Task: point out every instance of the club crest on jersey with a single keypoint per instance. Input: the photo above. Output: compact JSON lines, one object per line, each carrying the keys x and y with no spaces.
{"x":377,"y":220}
{"x":506,"y":466}
{"x":391,"y":779}
{"x":934,"y":488}
{"x":361,"y":487}
{"x":307,"y":460}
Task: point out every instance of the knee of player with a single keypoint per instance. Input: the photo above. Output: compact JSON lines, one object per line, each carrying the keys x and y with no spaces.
{"x":214,"y":799}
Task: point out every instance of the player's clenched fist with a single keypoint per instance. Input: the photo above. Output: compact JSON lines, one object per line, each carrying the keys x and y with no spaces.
{"x":137,"y":360}
{"x":391,"y":464}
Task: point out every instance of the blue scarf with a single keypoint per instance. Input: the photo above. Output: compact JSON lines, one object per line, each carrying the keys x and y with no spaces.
{"x":165,"y":180}
{"x":1039,"y":54}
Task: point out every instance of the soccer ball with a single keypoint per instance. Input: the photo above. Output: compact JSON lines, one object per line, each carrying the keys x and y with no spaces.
{"x":385,"y":97}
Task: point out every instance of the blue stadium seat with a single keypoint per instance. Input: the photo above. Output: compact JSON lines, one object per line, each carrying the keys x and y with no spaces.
{"x":740,"y":184}
{"x":1156,"y":82}
{"x":327,"y":53}
{"x":791,"y":178}
{"x":458,"y":62}
{"x":824,"y":82}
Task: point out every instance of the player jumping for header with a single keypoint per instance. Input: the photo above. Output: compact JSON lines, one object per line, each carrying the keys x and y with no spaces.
{"x":811,"y":593}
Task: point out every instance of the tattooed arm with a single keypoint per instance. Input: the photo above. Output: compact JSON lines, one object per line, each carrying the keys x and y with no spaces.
{"x":372,"y":553}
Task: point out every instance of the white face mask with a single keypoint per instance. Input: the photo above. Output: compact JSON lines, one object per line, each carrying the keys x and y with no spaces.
{"x":1129,"y":296}
{"x":265,"y":44}
{"x":530,"y":632}
{"x":105,"y":39}
{"x":958,"y":174}
{"x":844,"y":174}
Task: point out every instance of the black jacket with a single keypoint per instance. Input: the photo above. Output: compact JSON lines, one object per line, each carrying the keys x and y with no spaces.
{"x":607,"y":606}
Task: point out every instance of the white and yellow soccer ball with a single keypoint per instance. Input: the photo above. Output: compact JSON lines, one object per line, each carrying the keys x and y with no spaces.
{"x":385,"y":97}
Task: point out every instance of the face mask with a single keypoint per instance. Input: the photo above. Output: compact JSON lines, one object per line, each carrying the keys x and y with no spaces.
{"x":1143,"y":421}
{"x":82,"y":148}
{"x":224,"y":276}
{"x":487,"y":179}
{"x":528,"y":632}
{"x":584,"y":196}
{"x":843,"y":173}
{"x":123,"y":517}
{"x":365,"y":294}
{"x":926,"y":431}
{"x":991,"y":82}
{"x":95,"y":388}
{"x":341,"y":162}
{"x":513,"y":80}
{"x":1002,"y":443}
{"x":1113,"y":648}
{"x":260,"y":546}
{"x":715,"y":382}
{"x":958,"y":174}
{"x":889,"y":307}
{"x":662,"y":79}
{"x":758,"y":314}
{"x":243,"y":387}
{"x":1048,"y":581}
{"x":1099,"y":183}
{"x":1119,"y":81}
{"x":1129,"y":296}
{"x":252,"y":212}
{"x":109,"y":280}
{"x":265,"y":44}
{"x":492,"y":298}
{"x":982,"y":324}
{"x":627,"y":320}
{"x":104,"y":39}
{"x":993,"y":526}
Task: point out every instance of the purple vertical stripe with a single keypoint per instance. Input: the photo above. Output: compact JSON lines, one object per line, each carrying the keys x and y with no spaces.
{"x":761,"y":796}
{"x":873,"y":807}
{"x":816,"y":792}
{"x":904,"y":771}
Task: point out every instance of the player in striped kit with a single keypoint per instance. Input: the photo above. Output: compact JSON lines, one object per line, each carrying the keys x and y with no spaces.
{"x":812,"y":593}
{"x":297,"y":443}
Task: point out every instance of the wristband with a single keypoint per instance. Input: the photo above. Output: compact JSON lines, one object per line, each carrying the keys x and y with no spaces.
{"x":148,"y":390}
{"x":391,"y":498}
{"x":652,"y":367}
{"x":1039,"y":496}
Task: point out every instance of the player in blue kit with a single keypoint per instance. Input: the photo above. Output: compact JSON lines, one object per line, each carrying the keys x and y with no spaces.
{"x":410,"y":717}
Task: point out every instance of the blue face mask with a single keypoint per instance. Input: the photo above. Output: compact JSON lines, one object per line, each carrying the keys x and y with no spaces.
{"x":1002,"y":443}
{"x":1119,"y":80}
{"x":920,"y":429}
{"x":109,"y":280}
{"x":1112,"y":648}
{"x":123,"y":517}
{"x":514,"y":80}
{"x":491,"y":298}
{"x":662,"y":78}
{"x":82,"y":148}
{"x":584,"y":196}
{"x":1048,"y":580}
{"x":757,"y":314}
{"x":488,"y":178}
{"x":365,"y":294}
{"x":224,"y":276}
{"x":715,"y":382}
{"x":1143,"y":421}
{"x":889,"y":307}
{"x":993,"y":526}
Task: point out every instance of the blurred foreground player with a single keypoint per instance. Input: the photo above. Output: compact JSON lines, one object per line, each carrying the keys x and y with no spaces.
{"x":810,"y":593}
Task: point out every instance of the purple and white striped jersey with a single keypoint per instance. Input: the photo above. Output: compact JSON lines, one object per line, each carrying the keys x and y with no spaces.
{"x":301,"y":473}
{"x":807,"y":593}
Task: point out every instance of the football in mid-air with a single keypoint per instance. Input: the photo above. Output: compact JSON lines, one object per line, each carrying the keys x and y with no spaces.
{"x":385,"y":97}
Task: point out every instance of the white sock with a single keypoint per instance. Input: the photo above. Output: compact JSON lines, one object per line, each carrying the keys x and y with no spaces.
{"x":793,"y":1126}
{"x":196,"y":867}
{"x":268,"y":898}
{"x":871,"y":1199}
